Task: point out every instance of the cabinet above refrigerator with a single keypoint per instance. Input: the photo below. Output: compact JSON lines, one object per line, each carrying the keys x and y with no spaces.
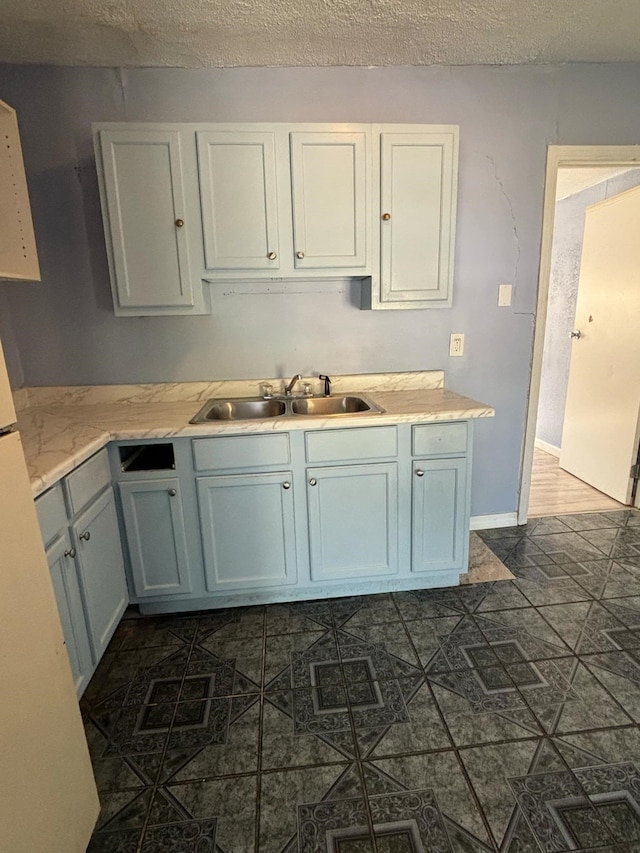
{"x":18,"y":255}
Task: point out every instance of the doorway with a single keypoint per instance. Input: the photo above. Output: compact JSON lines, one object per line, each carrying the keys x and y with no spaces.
{"x":571,"y":171}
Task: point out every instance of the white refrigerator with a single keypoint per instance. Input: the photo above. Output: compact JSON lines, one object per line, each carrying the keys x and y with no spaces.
{"x":48,"y":798}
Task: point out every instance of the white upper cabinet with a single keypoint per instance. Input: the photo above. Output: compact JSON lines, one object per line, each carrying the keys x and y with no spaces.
{"x":18,"y":256}
{"x":418,"y":187}
{"x":148,"y":222}
{"x":285,"y":201}
{"x":239,"y":200}
{"x":329,"y":197}
{"x":186,"y":206}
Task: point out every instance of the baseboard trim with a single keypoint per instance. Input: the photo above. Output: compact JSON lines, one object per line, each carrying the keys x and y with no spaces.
{"x":548,"y":448}
{"x":486,"y":522}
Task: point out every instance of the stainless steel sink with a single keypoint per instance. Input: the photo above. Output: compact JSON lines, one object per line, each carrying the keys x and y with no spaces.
{"x":337,"y":405}
{"x":240,"y":409}
{"x":251,"y":408}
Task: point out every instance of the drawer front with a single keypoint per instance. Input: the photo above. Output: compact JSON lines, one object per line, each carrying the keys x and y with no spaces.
{"x":437,"y":439}
{"x":51,"y":513}
{"x":88,"y":480}
{"x":241,"y":451}
{"x":339,"y":445}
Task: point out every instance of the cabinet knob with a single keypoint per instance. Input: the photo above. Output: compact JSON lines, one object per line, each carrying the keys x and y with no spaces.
{"x":300,"y":255}
{"x":179,"y":223}
{"x":70,"y":553}
{"x":419,"y":473}
{"x":286,"y":485}
{"x":386,"y":216}
{"x":312,"y":481}
{"x":86,"y":535}
{"x":272,"y":256}
{"x":172,"y":493}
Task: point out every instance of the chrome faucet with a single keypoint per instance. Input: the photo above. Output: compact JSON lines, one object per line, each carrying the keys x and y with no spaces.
{"x":289,"y":389}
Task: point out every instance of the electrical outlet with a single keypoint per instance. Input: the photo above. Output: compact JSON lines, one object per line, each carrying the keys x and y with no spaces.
{"x":456,"y":343}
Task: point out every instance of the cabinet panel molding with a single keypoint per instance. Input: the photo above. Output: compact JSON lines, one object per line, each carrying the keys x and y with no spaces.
{"x":102,"y":575}
{"x":238,"y":196}
{"x":74,"y":627}
{"x":147,"y":224}
{"x":329,"y":196}
{"x":248,"y":530}
{"x":440,"y":518}
{"x":353,"y":520}
{"x":154,"y":524}
{"x":417,"y":214}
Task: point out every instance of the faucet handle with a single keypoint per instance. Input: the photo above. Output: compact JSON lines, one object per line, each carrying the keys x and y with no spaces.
{"x":327,"y":384}
{"x":267,"y":390}
{"x":307,"y":390}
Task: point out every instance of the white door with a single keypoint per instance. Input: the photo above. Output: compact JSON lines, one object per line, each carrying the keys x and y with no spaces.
{"x":601,"y":427}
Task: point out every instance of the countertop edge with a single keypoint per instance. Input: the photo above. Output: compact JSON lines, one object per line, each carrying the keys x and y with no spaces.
{"x":87,"y":429}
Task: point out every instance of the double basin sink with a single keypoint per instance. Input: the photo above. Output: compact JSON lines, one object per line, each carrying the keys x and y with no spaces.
{"x":250,"y":408}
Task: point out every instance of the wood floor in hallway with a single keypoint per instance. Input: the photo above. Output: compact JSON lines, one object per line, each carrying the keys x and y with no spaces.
{"x":555,"y":492}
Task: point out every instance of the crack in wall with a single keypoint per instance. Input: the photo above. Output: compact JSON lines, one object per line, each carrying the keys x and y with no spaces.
{"x":516,"y":238}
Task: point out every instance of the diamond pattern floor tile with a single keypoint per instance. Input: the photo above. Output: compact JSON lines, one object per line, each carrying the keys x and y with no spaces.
{"x":500,"y":717}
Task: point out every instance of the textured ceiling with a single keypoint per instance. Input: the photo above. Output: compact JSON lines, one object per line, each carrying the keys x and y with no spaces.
{"x":203,"y":33}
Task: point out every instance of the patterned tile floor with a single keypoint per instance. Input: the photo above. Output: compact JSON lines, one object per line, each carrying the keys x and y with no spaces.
{"x":494,"y":717}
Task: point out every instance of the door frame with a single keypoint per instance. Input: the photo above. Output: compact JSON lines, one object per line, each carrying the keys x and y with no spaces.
{"x":557,"y":156}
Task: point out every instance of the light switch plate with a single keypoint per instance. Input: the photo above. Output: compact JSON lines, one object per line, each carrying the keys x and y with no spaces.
{"x":456,"y":344}
{"x":504,"y":295}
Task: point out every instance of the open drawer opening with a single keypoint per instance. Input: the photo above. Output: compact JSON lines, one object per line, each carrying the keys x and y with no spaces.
{"x":147,"y":457}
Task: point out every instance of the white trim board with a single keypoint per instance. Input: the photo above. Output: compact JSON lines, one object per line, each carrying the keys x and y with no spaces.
{"x":548,"y":448}
{"x":557,"y":156}
{"x":487,"y":522}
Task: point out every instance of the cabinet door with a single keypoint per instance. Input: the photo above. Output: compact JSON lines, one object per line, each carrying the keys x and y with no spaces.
{"x":329,"y":193}
{"x":154,"y":525}
{"x":418,"y":185}
{"x":248,"y":530}
{"x":440,"y":519}
{"x":146,"y":220}
{"x":353,"y":521}
{"x":239,"y":200}
{"x":96,"y":538}
{"x":18,"y":255}
{"x":74,"y":627}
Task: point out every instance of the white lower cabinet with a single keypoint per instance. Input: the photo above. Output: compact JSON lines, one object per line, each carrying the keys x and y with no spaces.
{"x":81,"y":535}
{"x":248,"y":530}
{"x":96,"y":536}
{"x":64,"y":577}
{"x":292,"y":515}
{"x":153,"y":519}
{"x":353,"y":521}
{"x":440,"y":523}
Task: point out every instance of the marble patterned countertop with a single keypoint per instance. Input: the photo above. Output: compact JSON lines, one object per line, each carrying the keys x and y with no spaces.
{"x":62,"y":426}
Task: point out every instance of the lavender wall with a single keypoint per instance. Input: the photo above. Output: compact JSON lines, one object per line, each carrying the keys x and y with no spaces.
{"x":66,"y":331}
{"x":566,"y":254}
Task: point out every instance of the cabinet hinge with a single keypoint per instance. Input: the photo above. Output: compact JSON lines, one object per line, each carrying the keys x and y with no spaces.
{"x":635,"y":471}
